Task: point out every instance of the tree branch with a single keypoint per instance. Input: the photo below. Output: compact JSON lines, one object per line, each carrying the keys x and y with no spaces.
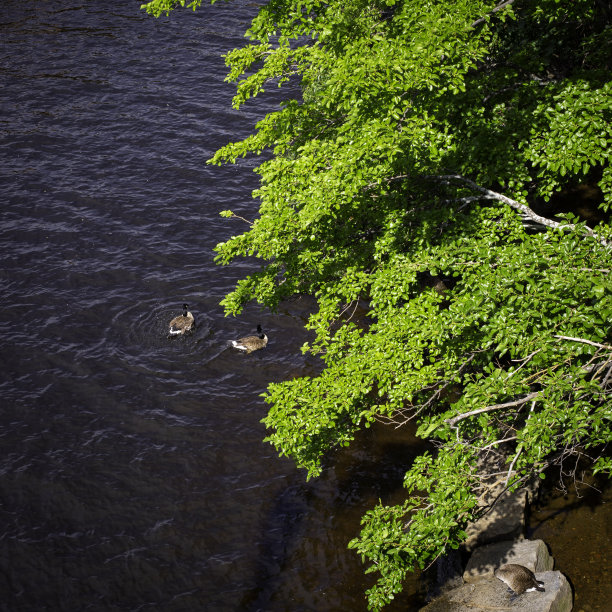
{"x":603,"y":346}
{"x":520,"y":450}
{"x":488,"y":446}
{"x":499,"y":7}
{"x":414,"y":411}
{"x":524,"y":209}
{"x":232,"y":215}
{"x":466,"y":415}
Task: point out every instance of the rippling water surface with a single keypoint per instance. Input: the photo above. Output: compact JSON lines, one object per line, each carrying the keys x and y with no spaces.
{"x":133,"y":474}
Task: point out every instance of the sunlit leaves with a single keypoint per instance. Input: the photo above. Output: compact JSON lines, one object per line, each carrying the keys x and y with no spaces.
{"x":160,"y":7}
{"x":397,"y":539}
{"x":572,"y":135}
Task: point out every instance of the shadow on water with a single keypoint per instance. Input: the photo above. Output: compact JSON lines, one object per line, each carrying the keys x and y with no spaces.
{"x":576,"y":524}
{"x":316,"y":520}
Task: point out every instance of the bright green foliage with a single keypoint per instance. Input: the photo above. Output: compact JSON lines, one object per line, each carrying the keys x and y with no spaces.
{"x":404,"y":179}
{"x":422,"y":527}
{"x":159,"y":7}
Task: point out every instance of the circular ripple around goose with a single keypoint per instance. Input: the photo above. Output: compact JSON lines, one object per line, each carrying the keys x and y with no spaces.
{"x":139,"y":335}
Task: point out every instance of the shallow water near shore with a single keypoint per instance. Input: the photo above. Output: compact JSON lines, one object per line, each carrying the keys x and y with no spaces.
{"x":576,"y":524}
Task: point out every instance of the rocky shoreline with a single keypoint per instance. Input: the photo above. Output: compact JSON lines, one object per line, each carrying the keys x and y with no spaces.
{"x":498,"y":538}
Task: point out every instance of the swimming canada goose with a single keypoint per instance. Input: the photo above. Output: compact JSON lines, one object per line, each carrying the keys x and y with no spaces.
{"x":251,"y":343}
{"x":181,"y":324}
{"x":519,"y":578}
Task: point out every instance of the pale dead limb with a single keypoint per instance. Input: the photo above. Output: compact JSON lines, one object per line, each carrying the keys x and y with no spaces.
{"x":520,"y":450}
{"x":233,"y":215}
{"x":603,"y":346}
{"x":524,"y":209}
{"x":498,"y":442}
{"x":466,"y":415}
{"x":497,"y":8}
{"x":356,"y":302}
{"x":409,"y":413}
{"x":524,"y":361}
{"x":605,"y":380}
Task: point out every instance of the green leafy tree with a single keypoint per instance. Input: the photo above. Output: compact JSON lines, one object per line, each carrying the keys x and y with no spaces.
{"x":416,"y":176}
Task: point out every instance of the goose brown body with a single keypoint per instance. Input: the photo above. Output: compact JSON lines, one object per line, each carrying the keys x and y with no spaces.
{"x":248,"y":344}
{"x":181,"y":324}
{"x":519,"y":578}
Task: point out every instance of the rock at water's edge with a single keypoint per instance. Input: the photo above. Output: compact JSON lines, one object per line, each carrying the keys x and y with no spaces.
{"x":492,"y":594}
{"x":533,"y":554}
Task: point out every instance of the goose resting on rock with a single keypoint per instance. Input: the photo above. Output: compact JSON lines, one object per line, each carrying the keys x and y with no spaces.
{"x":251,"y":343}
{"x":181,"y":324}
{"x":519,"y":578}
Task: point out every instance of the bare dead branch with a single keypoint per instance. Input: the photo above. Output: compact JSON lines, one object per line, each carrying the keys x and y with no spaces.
{"x":520,"y":450}
{"x":235,"y":216}
{"x":466,"y":415}
{"x":603,"y":346}
{"x":605,"y":380}
{"x":498,"y":442}
{"x":499,"y":7}
{"x":524,"y":209}
{"x":409,"y":413}
{"x":524,"y":361}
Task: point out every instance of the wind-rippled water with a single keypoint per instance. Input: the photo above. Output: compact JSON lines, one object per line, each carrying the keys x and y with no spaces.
{"x":133,"y":474}
{"x":132,"y":470}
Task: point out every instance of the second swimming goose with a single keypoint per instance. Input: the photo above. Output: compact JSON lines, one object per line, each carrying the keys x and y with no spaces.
{"x":248,"y":344}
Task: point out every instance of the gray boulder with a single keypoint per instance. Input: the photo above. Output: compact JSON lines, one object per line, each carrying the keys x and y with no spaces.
{"x":533,"y":554}
{"x":492,"y":594}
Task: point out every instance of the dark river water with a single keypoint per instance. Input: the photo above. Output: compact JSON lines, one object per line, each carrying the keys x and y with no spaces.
{"x":133,"y":474}
{"x":132,"y":470}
